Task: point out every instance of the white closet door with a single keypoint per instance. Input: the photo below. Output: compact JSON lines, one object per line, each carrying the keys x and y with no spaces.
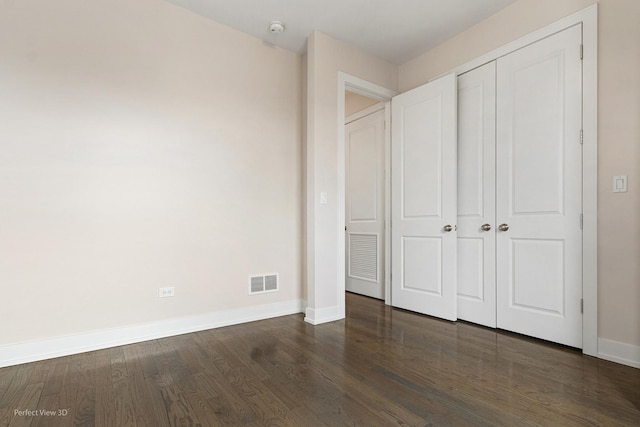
{"x":539,"y":189}
{"x":365,"y":205}
{"x":424,"y":199}
{"x":476,"y":195}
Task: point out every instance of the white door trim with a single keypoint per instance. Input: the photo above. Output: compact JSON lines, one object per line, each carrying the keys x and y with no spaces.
{"x":371,"y":90}
{"x":588,"y":17}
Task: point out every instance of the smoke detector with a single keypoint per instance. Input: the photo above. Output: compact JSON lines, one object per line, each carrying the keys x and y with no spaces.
{"x":276,"y":27}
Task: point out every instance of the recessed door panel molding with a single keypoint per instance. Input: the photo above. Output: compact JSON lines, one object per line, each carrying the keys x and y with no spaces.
{"x":476,"y":195}
{"x":537,"y":272}
{"x":421,"y":158}
{"x":363,"y":174}
{"x":364,"y":240}
{"x":424,"y":198}
{"x":471,"y":269}
{"x":422,"y":265}
{"x":539,"y":189}
{"x":537,"y":121}
{"x":472,"y":130}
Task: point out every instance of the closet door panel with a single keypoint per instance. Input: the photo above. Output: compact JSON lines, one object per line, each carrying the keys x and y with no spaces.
{"x":476,"y":195}
{"x":539,"y":171}
{"x":423,"y":242}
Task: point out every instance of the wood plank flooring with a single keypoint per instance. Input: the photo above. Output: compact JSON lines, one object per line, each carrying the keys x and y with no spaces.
{"x":380,"y":366}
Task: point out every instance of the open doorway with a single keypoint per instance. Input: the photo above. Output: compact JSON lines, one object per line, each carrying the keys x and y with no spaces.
{"x":372,"y":94}
{"x":364,"y":137}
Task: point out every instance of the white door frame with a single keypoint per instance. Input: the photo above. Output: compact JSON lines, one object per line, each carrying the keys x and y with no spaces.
{"x":347,"y":82}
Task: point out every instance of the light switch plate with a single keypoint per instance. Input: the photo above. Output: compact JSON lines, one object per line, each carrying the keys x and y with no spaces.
{"x":620,"y":184}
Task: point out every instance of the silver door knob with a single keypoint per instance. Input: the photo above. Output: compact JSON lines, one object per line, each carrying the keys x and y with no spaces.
{"x":503,"y":227}
{"x":485,"y":227}
{"x":447,"y":228}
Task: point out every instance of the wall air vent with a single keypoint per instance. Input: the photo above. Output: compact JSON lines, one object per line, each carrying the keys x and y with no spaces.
{"x":363,"y":256}
{"x":262,"y":284}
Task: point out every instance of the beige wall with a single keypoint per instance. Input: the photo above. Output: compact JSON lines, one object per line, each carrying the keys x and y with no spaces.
{"x":618,"y":138}
{"x":326,"y":57}
{"x":141,"y":147}
{"x":512,"y":22}
{"x":354,"y":103}
{"x":619,"y":154}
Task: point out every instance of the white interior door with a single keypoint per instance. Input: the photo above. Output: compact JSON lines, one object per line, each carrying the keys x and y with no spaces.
{"x":424,"y":199}
{"x":539,"y":166}
{"x":364,"y":143}
{"x":476,"y":195}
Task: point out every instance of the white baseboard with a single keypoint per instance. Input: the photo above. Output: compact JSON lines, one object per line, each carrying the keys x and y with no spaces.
{"x":619,"y":352}
{"x":32,"y":351}
{"x":15,"y":354}
{"x":317,"y":316}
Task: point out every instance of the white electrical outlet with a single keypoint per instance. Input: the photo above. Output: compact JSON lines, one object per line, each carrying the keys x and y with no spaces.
{"x":166,"y":292}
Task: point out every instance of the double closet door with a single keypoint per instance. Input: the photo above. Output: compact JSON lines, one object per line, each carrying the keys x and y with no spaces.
{"x":517,"y":248}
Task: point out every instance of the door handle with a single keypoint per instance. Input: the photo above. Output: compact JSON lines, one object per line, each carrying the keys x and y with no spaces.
{"x":447,"y":228}
{"x":485,"y":227}
{"x":503,"y":227}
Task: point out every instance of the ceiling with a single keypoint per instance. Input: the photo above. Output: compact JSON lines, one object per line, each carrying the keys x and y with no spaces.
{"x":395,"y":30}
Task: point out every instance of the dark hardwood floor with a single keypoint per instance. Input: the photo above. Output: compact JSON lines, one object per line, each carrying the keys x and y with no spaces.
{"x":380,"y":366}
